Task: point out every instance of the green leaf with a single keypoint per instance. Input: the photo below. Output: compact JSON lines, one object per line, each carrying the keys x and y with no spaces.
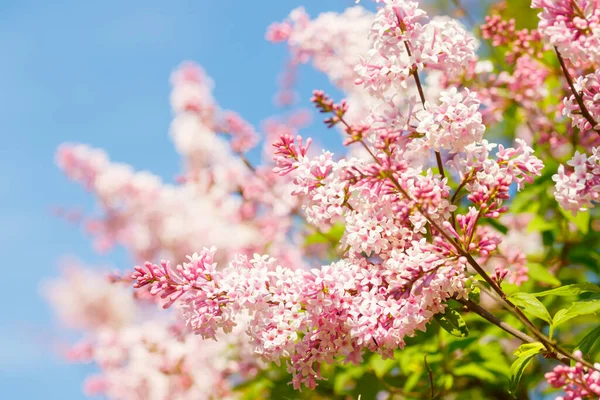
{"x":460,"y":343}
{"x":581,"y":220}
{"x":526,"y":17}
{"x":346,"y":380}
{"x":531,"y":305}
{"x":453,"y":323}
{"x":491,"y":356}
{"x":529,"y":349}
{"x":548,"y":238}
{"x":570,"y":290}
{"x":367,"y":387}
{"x":586,"y":344}
{"x":516,"y":370}
{"x":447,"y":381}
{"x":539,"y":224}
{"x":541,"y":274}
{"x":381,"y":366}
{"x":582,"y":255}
{"x":575,"y":310}
{"x":475,"y":294}
{"x":475,"y":370}
{"x":527,"y":199}
{"x":334,"y":235}
{"x":413,"y":380}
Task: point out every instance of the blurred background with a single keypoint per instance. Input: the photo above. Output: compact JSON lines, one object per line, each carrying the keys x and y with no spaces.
{"x":98,"y":73}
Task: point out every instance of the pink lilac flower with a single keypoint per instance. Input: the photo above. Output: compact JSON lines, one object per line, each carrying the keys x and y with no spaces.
{"x":526,"y":85}
{"x":391,"y":280}
{"x":578,"y":187}
{"x":519,"y":42}
{"x":85,"y":299}
{"x":589,"y":88}
{"x":488,"y":180}
{"x":404,"y":39}
{"x":243,"y":136}
{"x":578,"y":382}
{"x":454,"y":123}
{"x":138,"y":355}
{"x":311,"y":317}
{"x":572,"y":27}
{"x":332,"y":41}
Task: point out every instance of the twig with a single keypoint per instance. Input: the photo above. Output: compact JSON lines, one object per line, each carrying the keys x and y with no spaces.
{"x":477,"y":309}
{"x":584,"y":111}
{"x":482,"y":312}
{"x":247,"y":162}
{"x":430,"y":374}
{"x":415,"y":74}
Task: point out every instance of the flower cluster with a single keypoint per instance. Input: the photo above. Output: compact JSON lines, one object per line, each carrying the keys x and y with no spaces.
{"x":577,"y":381}
{"x":138,"y":206}
{"x":217,"y":200}
{"x":572,"y":27}
{"x":576,"y":190}
{"x":310,"y":317}
{"x":454,"y":123}
{"x":520,"y":42}
{"x":488,"y":181}
{"x":140,"y":357}
{"x":405,"y":41}
{"x":588,"y":88}
{"x":334,"y":42}
{"x":85,"y":299}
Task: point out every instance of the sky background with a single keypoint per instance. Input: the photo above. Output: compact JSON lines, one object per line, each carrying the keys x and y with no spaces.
{"x":98,"y":73}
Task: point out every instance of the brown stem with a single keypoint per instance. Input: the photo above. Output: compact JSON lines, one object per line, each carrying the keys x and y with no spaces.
{"x":369,"y":150}
{"x":584,"y":111}
{"x":430,"y":375}
{"x":440,"y":164}
{"x":415,"y":75}
{"x":465,"y":180}
{"x":247,"y":162}
{"x":525,"y":338}
{"x":477,"y":309}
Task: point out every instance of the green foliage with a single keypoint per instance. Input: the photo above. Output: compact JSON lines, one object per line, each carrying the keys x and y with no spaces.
{"x":575,"y":310}
{"x":334,"y":235}
{"x":586,"y":344}
{"x":581,"y":220}
{"x":541,"y":274}
{"x":570,"y":290}
{"x":517,"y":368}
{"x":531,"y":305}
{"x":453,"y":323}
{"x":528,"y":348}
{"x":525,"y":353}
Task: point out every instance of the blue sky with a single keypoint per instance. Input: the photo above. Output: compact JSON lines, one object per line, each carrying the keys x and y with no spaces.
{"x":97,"y":73}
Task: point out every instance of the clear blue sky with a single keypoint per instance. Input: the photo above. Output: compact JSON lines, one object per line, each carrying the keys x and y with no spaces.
{"x":97,"y":73}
